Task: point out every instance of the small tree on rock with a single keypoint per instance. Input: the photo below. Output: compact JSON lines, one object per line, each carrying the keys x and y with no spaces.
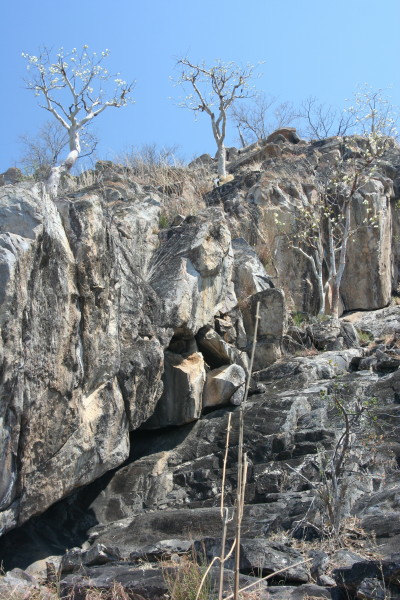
{"x":72,"y":88}
{"x":323,"y":229}
{"x":215,"y":89}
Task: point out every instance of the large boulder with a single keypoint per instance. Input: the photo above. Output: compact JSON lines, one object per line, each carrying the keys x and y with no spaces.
{"x":60,"y":426}
{"x":192,"y":272}
{"x":223,"y":385}
{"x":271,"y":327}
{"x":181,"y":402}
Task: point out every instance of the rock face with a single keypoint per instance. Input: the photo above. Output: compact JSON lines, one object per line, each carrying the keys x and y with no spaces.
{"x":89,"y":303}
{"x":124,"y":349}
{"x":264,"y":205}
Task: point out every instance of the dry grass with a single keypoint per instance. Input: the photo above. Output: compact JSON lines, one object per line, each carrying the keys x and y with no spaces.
{"x":180,"y":187}
{"x":117,"y":592}
{"x":184,"y":579}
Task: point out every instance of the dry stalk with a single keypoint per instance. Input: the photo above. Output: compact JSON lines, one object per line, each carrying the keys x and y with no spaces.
{"x":224,"y":511}
{"x":242,"y":462}
{"x":211,"y":564}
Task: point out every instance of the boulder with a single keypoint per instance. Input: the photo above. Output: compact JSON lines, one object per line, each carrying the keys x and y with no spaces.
{"x":223,"y":385}
{"x":139,"y":583}
{"x":216,"y":351}
{"x":288,"y":133}
{"x":74,"y":559}
{"x":271,"y":327}
{"x":367,"y":282}
{"x":249,"y":275}
{"x":181,"y":401}
{"x":192,"y":272}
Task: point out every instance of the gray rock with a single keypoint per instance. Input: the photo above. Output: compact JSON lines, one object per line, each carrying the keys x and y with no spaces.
{"x":182,"y":398}
{"x":249,"y":275}
{"x":192,"y":272}
{"x":162,"y":550}
{"x":371,"y":589}
{"x":258,"y":556}
{"x":217,"y":352}
{"x":271,"y":327}
{"x":98,"y":554}
{"x":139,"y":583}
{"x":289,"y":134}
{"x":19,"y":585}
{"x":223,"y":385}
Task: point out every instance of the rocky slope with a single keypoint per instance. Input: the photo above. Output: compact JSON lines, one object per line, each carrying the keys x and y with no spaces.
{"x":124,"y":344}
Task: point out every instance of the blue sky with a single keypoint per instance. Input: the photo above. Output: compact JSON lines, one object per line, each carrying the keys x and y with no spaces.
{"x":310,"y":47}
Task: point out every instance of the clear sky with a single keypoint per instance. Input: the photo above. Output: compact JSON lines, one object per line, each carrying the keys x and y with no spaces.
{"x":310,"y":47}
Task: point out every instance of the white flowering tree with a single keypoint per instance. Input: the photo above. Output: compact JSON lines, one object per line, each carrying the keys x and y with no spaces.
{"x":74,"y":88}
{"x":214,"y":90}
{"x":373,"y":113}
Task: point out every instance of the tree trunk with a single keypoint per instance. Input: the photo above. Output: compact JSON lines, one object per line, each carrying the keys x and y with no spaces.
{"x":335,"y":298}
{"x":54,"y":179}
{"x":221,"y":156}
{"x":337,"y":279}
{"x":321,"y":293}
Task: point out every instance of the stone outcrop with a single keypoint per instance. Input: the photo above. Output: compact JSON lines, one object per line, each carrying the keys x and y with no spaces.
{"x":182,"y":398}
{"x":89,"y":302}
{"x":263,"y":205}
{"x":124,"y":348}
{"x":223,"y":385}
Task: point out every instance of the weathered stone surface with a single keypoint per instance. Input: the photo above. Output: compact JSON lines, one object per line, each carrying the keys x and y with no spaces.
{"x":223,"y":385}
{"x":150,"y":583}
{"x":288,"y":133}
{"x":92,"y":300}
{"x":367,"y":284}
{"x":181,"y":402}
{"x":271,"y":327}
{"x":217,"y":352}
{"x":41,"y":343}
{"x":385,"y":570}
{"x":249,"y":275}
{"x":98,"y":554}
{"x":285,"y":429}
{"x":292,"y":182}
{"x":260,"y":556}
{"x":378,"y":323}
{"x":332,"y":334}
{"x":84,"y":330}
{"x":371,"y":589}
{"x":140,"y":583}
{"x":192,"y":272}
{"x":162,"y":550}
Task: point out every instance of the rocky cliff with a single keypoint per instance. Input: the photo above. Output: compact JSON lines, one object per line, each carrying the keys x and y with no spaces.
{"x":121,"y":341}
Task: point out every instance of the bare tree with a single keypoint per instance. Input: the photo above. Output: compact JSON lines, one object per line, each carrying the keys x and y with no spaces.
{"x":42,"y":152}
{"x":72,"y":88}
{"x":214,"y":90}
{"x":322,"y":121}
{"x":264,"y":115}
